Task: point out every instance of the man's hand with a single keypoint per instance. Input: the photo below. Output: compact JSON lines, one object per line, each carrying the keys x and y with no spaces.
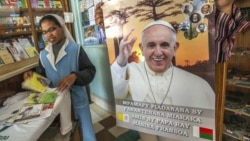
{"x":125,"y":48}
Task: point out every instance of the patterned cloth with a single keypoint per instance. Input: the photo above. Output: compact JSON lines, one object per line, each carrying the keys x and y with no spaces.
{"x":226,"y":28}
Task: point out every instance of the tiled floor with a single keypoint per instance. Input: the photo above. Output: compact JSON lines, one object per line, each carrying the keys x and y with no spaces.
{"x":106,"y":129}
{"x":104,"y":126}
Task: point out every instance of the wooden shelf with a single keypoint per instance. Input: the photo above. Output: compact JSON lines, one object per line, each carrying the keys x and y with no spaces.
{"x":10,"y":70}
{"x":238,"y":83}
{"x":14,"y":27}
{"x":5,"y":12}
{"x":238,"y":111}
{"x":232,"y":136}
{"x":15,"y":33}
{"x":43,"y":11}
{"x":47,"y":9}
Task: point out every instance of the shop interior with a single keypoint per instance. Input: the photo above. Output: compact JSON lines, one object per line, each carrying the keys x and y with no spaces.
{"x":19,"y":26}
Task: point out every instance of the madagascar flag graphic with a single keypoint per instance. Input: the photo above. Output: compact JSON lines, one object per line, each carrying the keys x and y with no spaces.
{"x":204,"y":133}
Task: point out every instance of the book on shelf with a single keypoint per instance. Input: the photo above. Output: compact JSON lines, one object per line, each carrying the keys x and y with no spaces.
{"x":8,"y":21}
{"x":36,"y":83}
{"x":57,"y":4}
{"x":1,"y":62}
{"x":9,"y":3}
{"x":31,"y":50}
{"x":5,"y":55}
{"x":37,"y":20}
{"x":17,"y":51}
{"x":26,"y":20}
{"x":51,"y":4}
{"x":4,"y":45}
{"x":23,"y":3}
{"x":14,"y":20}
{"x":2,"y":21}
{"x":18,"y":20}
{"x":46,"y":3}
{"x":28,"y":112}
{"x":34,"y":3}
{"x":41,"y":42}
{"x":41,"y":98}
{"x":24,"y":42}
{"x":40,"y":4}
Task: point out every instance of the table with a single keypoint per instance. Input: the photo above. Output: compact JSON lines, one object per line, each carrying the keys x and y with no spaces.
{"x":31,"y":130}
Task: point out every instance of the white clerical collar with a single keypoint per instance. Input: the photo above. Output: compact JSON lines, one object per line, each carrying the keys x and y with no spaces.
{"x":165,"y":74}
